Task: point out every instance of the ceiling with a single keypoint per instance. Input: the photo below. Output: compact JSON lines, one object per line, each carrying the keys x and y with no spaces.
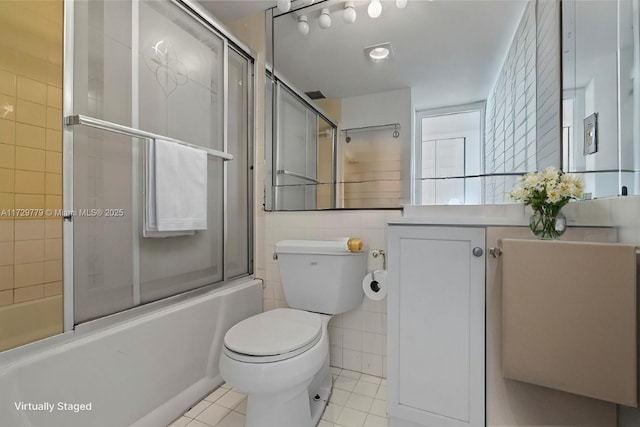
{"x":449,"y":51}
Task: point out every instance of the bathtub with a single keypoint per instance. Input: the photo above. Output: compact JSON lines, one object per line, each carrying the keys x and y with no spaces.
{"x":142,"y":371}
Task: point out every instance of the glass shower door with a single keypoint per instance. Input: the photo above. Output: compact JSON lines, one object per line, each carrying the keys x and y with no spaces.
{"x":155,"y":67}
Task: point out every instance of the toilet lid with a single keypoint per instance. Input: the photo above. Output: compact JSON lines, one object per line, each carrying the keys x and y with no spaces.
{"x":274,"y":332}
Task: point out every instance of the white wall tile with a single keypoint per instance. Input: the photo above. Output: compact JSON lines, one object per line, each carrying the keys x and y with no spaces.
{"x":352,"y":360}
{"x":335,"y":356}
{"x":375,"y":238}
{"x":336,"y":321}
{"x":352,"y":339}
{"x":372,"y":322}
{"x":372,"y":364}
{"x":372,"y":343}
{"x":352,"y":320}
{"x":335,"y":336}
{"x":373,"y":306}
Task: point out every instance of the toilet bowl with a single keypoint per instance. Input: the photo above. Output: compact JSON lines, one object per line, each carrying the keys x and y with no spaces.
{"x":280,"y":358}
{"x":287,"y":378}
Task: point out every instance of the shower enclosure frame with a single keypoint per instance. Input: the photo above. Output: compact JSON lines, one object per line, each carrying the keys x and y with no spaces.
{"x":230,"y":41}
{"x":272,"y":150}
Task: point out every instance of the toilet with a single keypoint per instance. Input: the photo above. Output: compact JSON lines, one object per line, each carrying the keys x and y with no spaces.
{"x":280,"y":358}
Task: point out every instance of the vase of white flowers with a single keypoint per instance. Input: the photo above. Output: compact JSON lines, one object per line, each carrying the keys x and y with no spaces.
{"x":547,"y":192}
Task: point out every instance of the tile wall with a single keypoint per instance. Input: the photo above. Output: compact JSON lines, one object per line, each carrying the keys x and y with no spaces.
{"x":31,"y":52}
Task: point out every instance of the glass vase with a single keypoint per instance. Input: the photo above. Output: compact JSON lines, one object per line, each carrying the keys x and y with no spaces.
{"x":549,"y":224}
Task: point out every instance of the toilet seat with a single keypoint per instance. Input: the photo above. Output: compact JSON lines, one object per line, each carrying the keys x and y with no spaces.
{"x":273,"y":336}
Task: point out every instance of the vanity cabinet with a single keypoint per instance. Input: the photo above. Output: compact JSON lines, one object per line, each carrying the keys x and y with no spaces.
{"x":436,"y":335}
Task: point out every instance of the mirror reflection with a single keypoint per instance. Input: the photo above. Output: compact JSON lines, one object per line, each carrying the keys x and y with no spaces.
{"x":601,"y":95}
{"x":444,"y":88}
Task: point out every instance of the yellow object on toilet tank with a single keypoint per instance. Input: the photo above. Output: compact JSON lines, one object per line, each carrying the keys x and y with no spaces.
{"x":354,"y":244}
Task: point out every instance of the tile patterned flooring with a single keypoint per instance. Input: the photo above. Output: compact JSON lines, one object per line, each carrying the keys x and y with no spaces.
{"x":357,"y":400}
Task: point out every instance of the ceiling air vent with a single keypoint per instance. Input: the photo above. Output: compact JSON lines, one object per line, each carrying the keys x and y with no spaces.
{"x":316,"y":94}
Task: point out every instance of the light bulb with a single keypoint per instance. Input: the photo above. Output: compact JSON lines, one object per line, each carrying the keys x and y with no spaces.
{"x":283,"y":5}
{"x":325,"y":19}
{"x":375,"y":8}
{"x":401,"y":4}
{"x":303,"y":25}
{"x":349,"y":13}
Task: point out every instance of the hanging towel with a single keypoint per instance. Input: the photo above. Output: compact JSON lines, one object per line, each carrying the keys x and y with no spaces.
{"x":176,"y":190}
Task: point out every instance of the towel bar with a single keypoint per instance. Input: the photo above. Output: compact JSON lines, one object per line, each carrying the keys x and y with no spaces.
{"x":496,"y":251}
{"x":79,"y":119}
{"x":297,"y":175}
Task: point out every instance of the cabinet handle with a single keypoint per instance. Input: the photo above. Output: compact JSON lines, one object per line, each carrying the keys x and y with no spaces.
{"x":477,"y":251}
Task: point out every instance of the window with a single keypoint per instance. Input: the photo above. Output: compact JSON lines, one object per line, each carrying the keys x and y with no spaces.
{"x":448,"y":152}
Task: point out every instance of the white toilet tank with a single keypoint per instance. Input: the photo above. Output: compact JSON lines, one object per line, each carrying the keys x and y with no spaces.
{"x":319,"y":278}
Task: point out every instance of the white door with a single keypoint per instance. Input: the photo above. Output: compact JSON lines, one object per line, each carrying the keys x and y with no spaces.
{"x":436,"y":326}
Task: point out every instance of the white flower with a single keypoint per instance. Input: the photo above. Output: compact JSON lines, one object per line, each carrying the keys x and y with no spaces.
{"x":551,"y":174}
{"x":566,"y":189}
{"x":518,"y":193}
{"x":552,"y":186}
{"x":533,"y":181}
{"x":553,"y":196}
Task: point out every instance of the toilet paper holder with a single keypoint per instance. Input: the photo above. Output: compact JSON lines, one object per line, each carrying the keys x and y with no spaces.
{"x":376,"y":253}
{"x":380,"y":252}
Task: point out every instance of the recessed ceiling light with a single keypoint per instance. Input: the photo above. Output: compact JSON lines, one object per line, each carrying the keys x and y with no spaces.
{"x":378,"y":52}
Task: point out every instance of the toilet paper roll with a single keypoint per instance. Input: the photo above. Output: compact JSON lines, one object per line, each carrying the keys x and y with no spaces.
{"x":375,"y":285}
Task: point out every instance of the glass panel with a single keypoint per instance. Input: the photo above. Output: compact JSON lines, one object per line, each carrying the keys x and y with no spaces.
{"x":590,"y":93}
{"x":296,"y":154}
{"x":172,"y":59}
{"x":629,"y":86}
{"x":180,"y":69}
{"x":103,"y":245}
{"x":103,"y":60}
{"x":372,"y":163}
{"x":325,"y":165}
{"x":180,"y":76}
{"x":237,"y":250}
{"x":176,"y":264}
{"x":162,"y":73}
{"x":268,"y":143}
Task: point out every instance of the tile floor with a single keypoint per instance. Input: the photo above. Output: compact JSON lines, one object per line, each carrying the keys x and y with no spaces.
{"x":357,"y":400}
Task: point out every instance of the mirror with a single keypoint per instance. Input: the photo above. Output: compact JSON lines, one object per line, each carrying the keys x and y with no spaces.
{"x":446,"y":59}
{"x":601,"y":95}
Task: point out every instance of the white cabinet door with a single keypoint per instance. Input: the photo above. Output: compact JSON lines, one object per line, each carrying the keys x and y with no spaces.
{"x":436,"y":326}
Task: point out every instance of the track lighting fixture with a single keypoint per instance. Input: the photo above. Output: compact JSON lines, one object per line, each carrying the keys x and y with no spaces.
{"x":401,"y":4}
{"x":325,"y":19}
{"x":375,"y":8}
{"x":349,"y":13}
{"x":283,"y":5}
{"x":303,"y":25}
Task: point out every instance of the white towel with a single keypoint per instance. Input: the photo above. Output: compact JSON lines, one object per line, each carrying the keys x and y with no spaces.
{"x":176,"y":190}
